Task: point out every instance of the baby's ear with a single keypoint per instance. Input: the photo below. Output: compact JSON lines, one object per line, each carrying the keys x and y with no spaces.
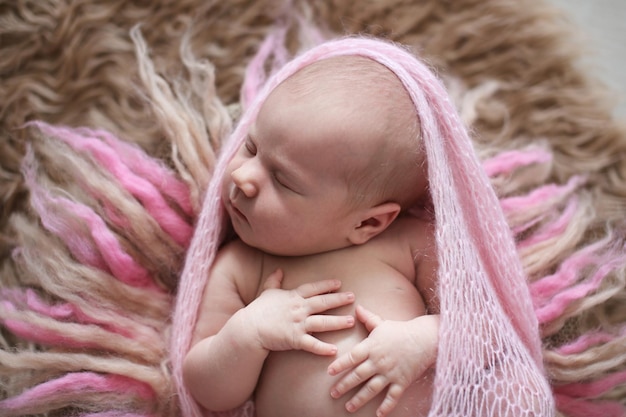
{"x":375,"y":220}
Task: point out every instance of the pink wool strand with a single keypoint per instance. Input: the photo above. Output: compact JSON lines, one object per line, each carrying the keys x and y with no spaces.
{"x":143,"y":190}
{"x":66,"y":312}
{"x":43,"y":332}
{"x":77,"y":331}
{"x":568,"y":273}
{"x":44,"y":336}
{"x":554,"y":228}
{"x":147,"y":168}
{"x":540,"y":197}
{"x":93,"y":244}
{"x":78,"y":383}
{"x":589,"y":340}
{"x":557,"y":305}
{"x":554,"y":294}
{"x":478,"y":260}
{"x":28,"y":297}
{"x":507,"y":162}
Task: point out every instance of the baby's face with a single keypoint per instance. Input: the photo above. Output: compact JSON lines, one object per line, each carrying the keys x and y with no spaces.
{"x":286,"y":190}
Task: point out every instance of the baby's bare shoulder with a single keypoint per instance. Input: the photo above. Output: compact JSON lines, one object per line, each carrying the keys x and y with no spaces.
{"x":240,"y":264}
{"x":236,"y":257}
{"x":419,"y":234}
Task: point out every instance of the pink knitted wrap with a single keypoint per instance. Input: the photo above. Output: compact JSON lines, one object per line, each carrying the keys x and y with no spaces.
{"x":489,"y":361}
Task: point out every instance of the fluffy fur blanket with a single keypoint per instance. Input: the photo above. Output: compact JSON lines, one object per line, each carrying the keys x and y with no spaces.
{"x":128,"y":103}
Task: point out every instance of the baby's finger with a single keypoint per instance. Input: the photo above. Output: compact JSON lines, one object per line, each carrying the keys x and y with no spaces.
{"x":274,"y":280}
{"x":369,"y":319}
{"x":391,"y":400}
{"x":353,"y":379}
{"x":371,"y":389}
{"x":327,"y":323}
{"x":318,"y":287}
{"x":311,"y":344}
{"x":349,"y":360}
{"x":324,"y":302}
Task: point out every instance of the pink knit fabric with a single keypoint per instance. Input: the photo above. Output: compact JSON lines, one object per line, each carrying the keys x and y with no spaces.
{"x":489,"y":361}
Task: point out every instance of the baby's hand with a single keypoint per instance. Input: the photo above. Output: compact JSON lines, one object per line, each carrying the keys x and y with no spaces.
{"x":285,"y":319}
{"x":392,"y":357}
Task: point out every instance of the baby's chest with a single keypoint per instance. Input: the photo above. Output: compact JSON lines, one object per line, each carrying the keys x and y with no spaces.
{"x":375,"y":282}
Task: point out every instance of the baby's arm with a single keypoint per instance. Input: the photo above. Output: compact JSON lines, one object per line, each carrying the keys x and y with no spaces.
{"x":234,"y":336}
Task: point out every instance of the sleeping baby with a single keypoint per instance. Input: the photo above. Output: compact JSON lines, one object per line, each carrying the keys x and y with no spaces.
{"x":328,"y":289}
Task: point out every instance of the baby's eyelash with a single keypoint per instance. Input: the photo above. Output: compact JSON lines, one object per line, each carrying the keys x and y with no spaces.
{"x":279,"y":181}
{"x":250,"y":147}
{"x":285,"y":185}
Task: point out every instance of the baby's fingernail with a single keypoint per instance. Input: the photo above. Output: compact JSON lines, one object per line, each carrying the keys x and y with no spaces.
{"x":334,"y":393}
{"x":350,"y":407}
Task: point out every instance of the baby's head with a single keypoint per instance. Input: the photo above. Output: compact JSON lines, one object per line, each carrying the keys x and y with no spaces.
{"x":368,"y":123}
{"x":331,"y":159}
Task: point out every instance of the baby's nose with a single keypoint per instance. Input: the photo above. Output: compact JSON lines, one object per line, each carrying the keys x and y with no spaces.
{"x":244,"y":180}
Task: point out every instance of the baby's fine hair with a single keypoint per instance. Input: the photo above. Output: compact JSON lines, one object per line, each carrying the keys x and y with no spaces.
{"x":395,"y":167}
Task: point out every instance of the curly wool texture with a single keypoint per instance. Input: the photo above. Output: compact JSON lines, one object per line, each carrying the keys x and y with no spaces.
{"x":540,"y":125}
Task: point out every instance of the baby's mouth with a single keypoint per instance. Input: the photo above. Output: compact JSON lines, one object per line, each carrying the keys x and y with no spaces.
{"x":238,"y":213}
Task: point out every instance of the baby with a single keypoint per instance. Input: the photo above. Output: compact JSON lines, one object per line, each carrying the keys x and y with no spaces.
{"x":318,"y":197}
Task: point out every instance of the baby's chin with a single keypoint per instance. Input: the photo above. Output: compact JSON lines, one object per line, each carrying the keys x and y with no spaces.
{"x":260,"y":246}
{"x":249,"y":240}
